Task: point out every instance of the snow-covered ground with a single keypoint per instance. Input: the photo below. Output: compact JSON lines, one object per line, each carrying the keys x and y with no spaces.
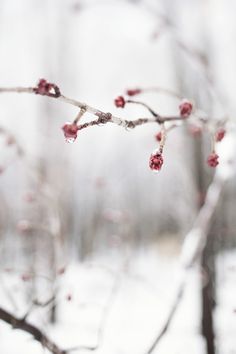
{"x":129,"y":298}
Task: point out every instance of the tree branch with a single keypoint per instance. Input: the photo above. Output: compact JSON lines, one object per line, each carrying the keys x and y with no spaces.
{"x":38,"y":335}
{"x":103,"y":117}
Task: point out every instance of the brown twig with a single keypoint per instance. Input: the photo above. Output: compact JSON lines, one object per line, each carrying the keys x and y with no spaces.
{"x":144,"y":105}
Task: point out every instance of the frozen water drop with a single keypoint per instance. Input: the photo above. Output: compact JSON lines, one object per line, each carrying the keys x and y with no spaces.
{"x":70,"y":140}
{"x":70,"y":132}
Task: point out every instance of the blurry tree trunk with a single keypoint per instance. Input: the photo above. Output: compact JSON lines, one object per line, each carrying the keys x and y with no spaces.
{"x":207,"y":259}
{"x":208,"y":256}
{"x":190,"y":86}
{"x":208,"y":294}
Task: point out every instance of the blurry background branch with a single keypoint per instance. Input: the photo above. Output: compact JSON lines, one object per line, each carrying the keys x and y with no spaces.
{"x":22,"y":324}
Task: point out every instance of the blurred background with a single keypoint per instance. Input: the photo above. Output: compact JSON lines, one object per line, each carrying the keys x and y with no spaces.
{"x":89,"y":221}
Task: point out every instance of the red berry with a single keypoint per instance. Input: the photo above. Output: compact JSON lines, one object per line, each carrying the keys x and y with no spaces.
{"x":120,"y":102}
{"x":185,"y":108}
{"x":158,"y":136}
{"x":212,"y":160}
{"x":70,"y":131}
{"x":156,"y":161}
{"x":133,"y":92}
{"x":220,"y":134}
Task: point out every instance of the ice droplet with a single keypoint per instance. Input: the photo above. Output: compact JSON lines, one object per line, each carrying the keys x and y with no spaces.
{"x":70,"y":140}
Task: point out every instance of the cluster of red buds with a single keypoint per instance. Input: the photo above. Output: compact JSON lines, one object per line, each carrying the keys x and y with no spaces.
{"x":213,"y":158}
{"x":156,"y":161}
{"x":186,"y":109}
{"x":47,"y":89}
{"x":120,"y":100}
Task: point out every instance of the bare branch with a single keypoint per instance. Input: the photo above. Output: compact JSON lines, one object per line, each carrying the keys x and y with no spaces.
{"x":38,"y":335}
{"x":103,"y":117}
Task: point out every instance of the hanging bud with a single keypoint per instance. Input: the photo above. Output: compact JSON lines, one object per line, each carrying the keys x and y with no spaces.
{"x":220,"y":134}
{"x":120,"y":102}
{"x":133,"y":92}
{"x":212,"y":160}
{"x":70,"y":132}
{"x":158,"y":136}
{"x":185,"y":108}
{"x":156,"y":161}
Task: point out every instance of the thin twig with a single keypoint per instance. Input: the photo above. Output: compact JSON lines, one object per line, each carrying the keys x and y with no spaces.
{"x":103,"y":117}
{"x":144,"y":105}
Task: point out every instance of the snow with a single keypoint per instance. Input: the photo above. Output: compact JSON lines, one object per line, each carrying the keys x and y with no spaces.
{"x":136,"y":293}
